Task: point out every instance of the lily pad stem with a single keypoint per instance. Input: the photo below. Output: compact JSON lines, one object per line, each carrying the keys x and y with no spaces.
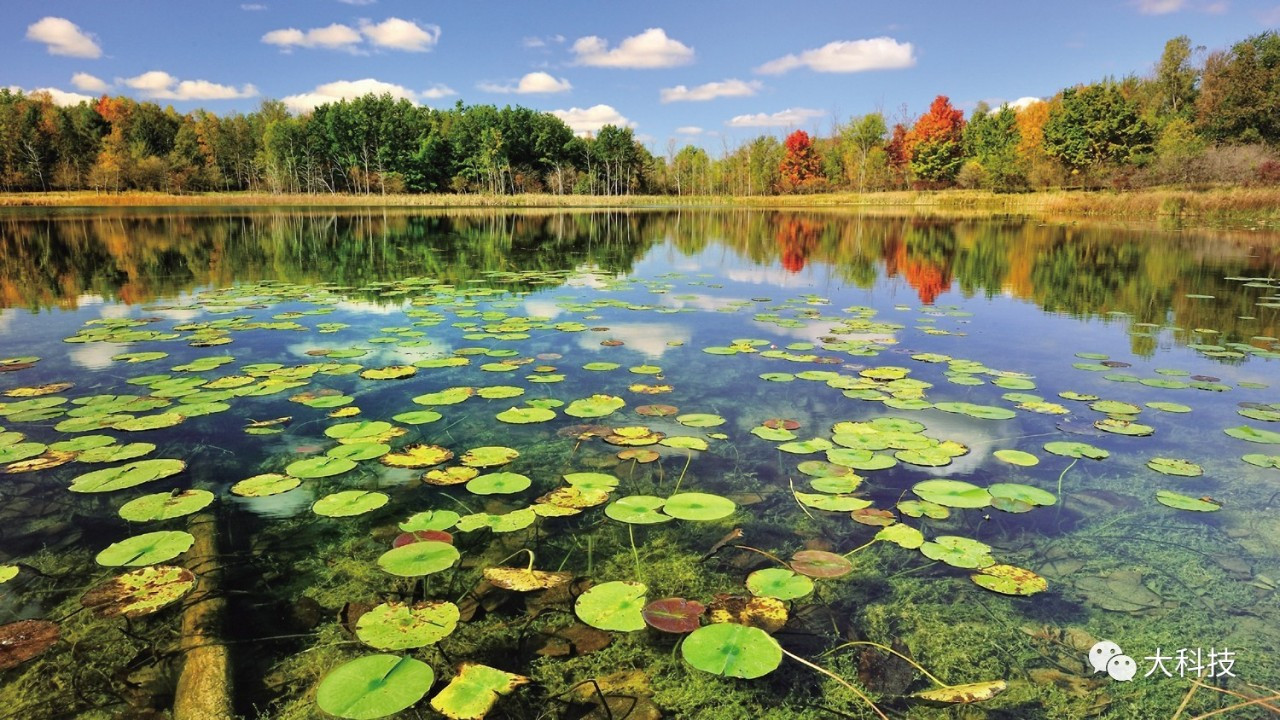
{"x":838,"y":679}
{"x":888,"y":649}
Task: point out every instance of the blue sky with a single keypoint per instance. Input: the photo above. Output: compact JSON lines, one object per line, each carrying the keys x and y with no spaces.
{"x":703,"y":71}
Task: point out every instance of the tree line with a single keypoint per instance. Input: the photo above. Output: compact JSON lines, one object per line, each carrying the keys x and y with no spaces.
{"x":1198,"y":119}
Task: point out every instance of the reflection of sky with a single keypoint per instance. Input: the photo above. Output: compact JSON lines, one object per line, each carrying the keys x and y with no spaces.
{"x":648,"y":338}
{"x":96,"y":356}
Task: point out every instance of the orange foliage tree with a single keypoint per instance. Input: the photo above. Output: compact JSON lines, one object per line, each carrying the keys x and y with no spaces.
{"x":800,"y":168}
{"x":935,"y":142}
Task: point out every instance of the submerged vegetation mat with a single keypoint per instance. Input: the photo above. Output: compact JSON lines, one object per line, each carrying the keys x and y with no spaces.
{"x":464,"y":499}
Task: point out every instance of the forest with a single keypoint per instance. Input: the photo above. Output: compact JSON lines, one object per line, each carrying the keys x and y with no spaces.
{"x":1198,"y":119}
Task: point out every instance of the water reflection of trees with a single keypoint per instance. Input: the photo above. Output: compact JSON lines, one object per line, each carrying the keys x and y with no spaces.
{"x":135,"y":256}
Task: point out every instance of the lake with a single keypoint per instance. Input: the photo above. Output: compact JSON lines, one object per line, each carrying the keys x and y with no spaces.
{"x":647,"y":463}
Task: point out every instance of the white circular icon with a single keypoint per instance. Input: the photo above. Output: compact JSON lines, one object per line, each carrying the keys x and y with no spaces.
{"x":1122,"y":668}
{"x":1101,"y":653}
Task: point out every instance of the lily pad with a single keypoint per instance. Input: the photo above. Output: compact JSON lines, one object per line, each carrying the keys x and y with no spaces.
{"x":952,"y":493}
{"x":1175,"y":466}
{"x":525,"y":579}
{"x":674,"y":615}
{"x":397,"y":626}
{"x":265,"y":485}
{"x":165,"y":505}
{"x":1076,"y":450}
{"x":417,"y":417}
{"x":348,"y":503}
{"x":319,"y":467}
{"x":489,"y":456}
{"x":499,"y":483}
{"x":698,"y":506}
{"x":902,"y":535}
{"x":1009,"y":580}
{"x":525,"y":415}
{"x":731,"y":650}
{"x":1265,"y":461}
{"x":595,"y":406}
{"x":140,"y":592}
{"x":1254,"y":435}
{"x":613,"y":605}
{"x":474,"y":691}
{"x":1179,"y":501}
{"x":430,"y":520}
{"x":146,"y":549}
{"x":638,"y":510}
{"x":700,"y":420}
{"x":1022,"y":493}
{"x":358,"y":431}
{"x":417,"y":456}
{"x":958,"y":552}
{"x":126,"y":476}
{"x":420,"y":558}
{"x":374,"y":686}
{"x":1017,"y":457}
{"x":820,"y":564}
{"x":963,"y":694}
{"x":779,"y":583}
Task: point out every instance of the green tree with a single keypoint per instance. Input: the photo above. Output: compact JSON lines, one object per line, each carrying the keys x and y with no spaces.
{"x":1096,"y":126}
{"x":1240,"y":92}
{"x":991,"y":139}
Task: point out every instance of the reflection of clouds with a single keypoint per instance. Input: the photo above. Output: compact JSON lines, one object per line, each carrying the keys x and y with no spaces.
{"x":284,"y":505}
{"x":364,"y":307}
{"x":378,"y":355}
{"x":6,"y":319}
{"x":588,"y":276}
{"x":97,"y":355}
{"x":968,"y":431}
{"x":700,"y":301}
{"x":179,"y":315}
{"x":115,"y":310}
{"x":648,"y":338}
{"x":812,"y":331}
{"x":82,"y":300}
{"x":777,"y":276}
{"x":542,"y":308}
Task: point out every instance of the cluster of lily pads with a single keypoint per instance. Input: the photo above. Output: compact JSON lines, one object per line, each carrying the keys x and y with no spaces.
{"x":730,"y":635}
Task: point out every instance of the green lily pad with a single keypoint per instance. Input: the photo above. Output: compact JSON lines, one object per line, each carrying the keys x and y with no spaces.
{"x":638,"y":510}
{"x":348,"y":503}
{"x":419,"y":558}
{"x":149,"y":422}
{"x":684,"y":442}
{"x":613,"y":605}
{"x":1028,"y":494}
{"x":1175,"y":466}
{"x":601,"y":366}
{"x":397,"y":626}
{"x":779,"y":583}
{"x":474,"y":691}
{"x":773,"y":434}
{"x":525,"y":415}
{"x":360,"y":430}
{"x":984,"y":412}
{"x":1115,"y":407}
{"x":952,"y":493}
{"x":501,"y":523}
{"x":958,"y":552}
{"x":700,"y":420}
{"x":804,"y":447}
{"x":732,"y":650}
{"x":265,"y":485}
{"x":1127,"y":427}
{"x":1254,"y":435}
{"x":1017,"y":457}
{"x":698,"y":506}
{"x":1169,"y":407}
{"x":448,"y":396}
{"x":832,"y":503}
{"x":417,"y":417}
{"x":499,"y":483}
{"x":1265,"y":461}
{"x":374,"y":686}
{"x":165,"y":505}
{"x":595,"y":406}
{"x":358,"y":451}
{"x":82,"y":443}
{"x":319,"y":467}
{"x":592,"y":481}
{"x":1076,"y":450}
{"x":489,"y":456}
{"x":146,"y":549}
{"x":21,"y":451}
{"x":1179,"y":501}
{"x":901,"y":535}
{"x":430,"y":520}
{"x":923,"y":508}
{"x":126,"y":476}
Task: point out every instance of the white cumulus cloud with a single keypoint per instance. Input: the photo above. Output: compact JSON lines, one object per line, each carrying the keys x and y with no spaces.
{"x":1023,"y":103}
{"x":782,"y":118}
{"x":397,"y":34}
{"x":1160,"y":7}
{"x":63,"y":37}
{"x":89,"y":83}
{"x":61,"y":98}
{"x":160,"y":85}
{"x":531,"y":84}
{"x":710,"y":91}
{"x":650,"y":49}
{"x":689,"y":130}
{"x":332,"y":37}
{"x":349,"y":89}
{"x":589,"y":120}
{"x":847,"y":56}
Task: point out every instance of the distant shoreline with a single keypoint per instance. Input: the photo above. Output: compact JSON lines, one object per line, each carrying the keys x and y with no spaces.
{"x":1214,"y":204}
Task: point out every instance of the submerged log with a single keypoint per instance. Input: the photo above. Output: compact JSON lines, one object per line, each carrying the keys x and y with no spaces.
{"x":204,"y":684}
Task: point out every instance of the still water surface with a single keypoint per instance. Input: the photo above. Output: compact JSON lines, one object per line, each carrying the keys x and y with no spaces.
{"x":745,"y":385}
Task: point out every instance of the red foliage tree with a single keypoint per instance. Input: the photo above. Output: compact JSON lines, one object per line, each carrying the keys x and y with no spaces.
{"x":800,"y":167}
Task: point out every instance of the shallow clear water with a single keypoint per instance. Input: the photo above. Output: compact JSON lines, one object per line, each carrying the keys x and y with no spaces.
{"x":965,"y":331}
